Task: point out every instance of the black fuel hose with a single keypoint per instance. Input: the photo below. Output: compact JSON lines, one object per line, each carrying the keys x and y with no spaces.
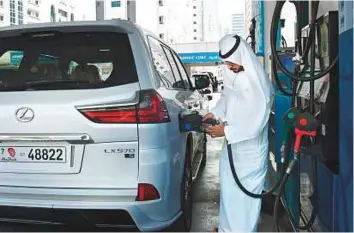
{"x":277,"y":80}
{"x":277,"y":202}
{"x":298,"y":49}
{"x":313,"y":215}
{"x":238,"y":182}
{"x":283,"y":41}
{"x":273,"y":34}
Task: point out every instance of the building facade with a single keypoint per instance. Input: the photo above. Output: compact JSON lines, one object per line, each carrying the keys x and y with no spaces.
{"x":238,"y":24}
{"x":197,"y":21}
{"x":174,"y":21}
{"x":193,"y":21}
{"x":55,"y":11}
{"x":135,"y":11}
{"x":17,"y":12}
{"x":185,"y":21}
{"x":12,"y":12}
{"x":112,"y":9}
{"x":248,"y":14}
{"x":211,"y":24}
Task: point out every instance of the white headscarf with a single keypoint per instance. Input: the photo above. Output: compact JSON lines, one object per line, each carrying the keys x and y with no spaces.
{"x":248,"y":97}
{"x":239,"y":52}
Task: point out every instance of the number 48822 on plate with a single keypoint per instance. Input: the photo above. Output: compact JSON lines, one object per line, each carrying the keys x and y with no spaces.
{"x":56,"y":155}
{"x":35,"y":154}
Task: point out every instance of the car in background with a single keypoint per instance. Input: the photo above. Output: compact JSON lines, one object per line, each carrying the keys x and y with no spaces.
{"x":91,"y":147}
{"x":214,"y":81}
{"x":221,"y":82}
{"x":208,"y":91}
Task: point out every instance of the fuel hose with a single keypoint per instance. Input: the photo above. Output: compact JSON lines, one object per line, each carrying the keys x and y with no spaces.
{"x":273,"y":35}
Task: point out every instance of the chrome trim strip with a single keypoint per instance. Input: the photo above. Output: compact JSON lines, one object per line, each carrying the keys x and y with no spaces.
{"x":126,"y":103}
{"x":78,"y":138}
{"x":72,"y":156}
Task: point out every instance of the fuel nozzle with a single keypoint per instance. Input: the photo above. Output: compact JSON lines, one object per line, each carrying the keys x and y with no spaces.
{"x":305,"y":125}
{"x":289,"y":118}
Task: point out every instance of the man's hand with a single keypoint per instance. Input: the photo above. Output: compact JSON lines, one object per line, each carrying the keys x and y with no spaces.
{"x":216,"y":131}
{"x":209,"y":116}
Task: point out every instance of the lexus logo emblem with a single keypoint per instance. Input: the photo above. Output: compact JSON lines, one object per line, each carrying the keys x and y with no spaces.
{"x":24,"y":114}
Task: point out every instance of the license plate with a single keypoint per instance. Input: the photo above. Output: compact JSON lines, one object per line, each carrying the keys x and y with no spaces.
{"x":24,"y":154}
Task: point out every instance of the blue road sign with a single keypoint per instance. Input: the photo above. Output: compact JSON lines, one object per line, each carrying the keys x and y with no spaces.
{"x":203,"y":57}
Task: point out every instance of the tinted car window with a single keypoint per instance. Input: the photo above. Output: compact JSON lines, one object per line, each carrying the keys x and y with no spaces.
{"x":179,"y":82}
{"x":55,"y":61}
{"x":183,"y":72}
{"x":161,"y":63}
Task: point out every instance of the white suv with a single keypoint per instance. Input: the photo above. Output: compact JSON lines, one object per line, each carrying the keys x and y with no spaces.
{"x":95,"y":147}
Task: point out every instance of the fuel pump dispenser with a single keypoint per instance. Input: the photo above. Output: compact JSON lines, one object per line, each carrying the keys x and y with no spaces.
{"x":311,"y":84}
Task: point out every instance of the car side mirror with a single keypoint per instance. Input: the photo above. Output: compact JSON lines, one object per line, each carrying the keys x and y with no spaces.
{"x":201,"y":83}
{"x":207,"y":91}
{"x":210,"y":97}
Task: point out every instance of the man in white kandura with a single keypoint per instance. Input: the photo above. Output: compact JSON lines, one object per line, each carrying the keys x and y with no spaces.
{"x":244,"y":109}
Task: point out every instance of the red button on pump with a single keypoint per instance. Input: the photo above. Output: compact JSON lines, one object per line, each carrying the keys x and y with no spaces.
{"x":303,"y":121}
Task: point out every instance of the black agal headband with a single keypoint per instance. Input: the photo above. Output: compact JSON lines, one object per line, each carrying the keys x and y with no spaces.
{"x":228,"y":54}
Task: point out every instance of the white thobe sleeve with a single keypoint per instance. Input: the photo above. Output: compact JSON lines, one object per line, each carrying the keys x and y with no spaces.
{"x":219,"y":110}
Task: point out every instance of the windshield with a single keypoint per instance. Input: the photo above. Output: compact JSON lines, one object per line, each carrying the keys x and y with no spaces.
{"x":55,"y":61}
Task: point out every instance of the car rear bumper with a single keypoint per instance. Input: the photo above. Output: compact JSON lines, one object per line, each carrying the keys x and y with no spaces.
{"x":105,"y":213}
{"x":88,"y":206}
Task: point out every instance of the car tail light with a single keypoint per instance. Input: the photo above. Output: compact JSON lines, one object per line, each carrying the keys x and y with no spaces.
{"x":112,"y":115}
{"x":147,"y":192}
{"x":151,"y":109}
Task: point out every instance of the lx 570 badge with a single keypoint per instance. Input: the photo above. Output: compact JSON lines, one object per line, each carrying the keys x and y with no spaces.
{"x":128,"y":153}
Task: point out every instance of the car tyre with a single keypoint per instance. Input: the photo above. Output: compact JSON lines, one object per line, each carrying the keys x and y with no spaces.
{"x":184,"y":223}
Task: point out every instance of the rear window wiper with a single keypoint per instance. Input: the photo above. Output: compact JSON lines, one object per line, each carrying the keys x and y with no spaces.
{"x":60,"y":81}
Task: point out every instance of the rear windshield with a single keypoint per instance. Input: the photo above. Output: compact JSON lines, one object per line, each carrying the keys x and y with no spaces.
{"x":59,"y":61}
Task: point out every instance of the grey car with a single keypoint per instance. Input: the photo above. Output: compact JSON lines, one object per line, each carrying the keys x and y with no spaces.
{"x":89,"y":127}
